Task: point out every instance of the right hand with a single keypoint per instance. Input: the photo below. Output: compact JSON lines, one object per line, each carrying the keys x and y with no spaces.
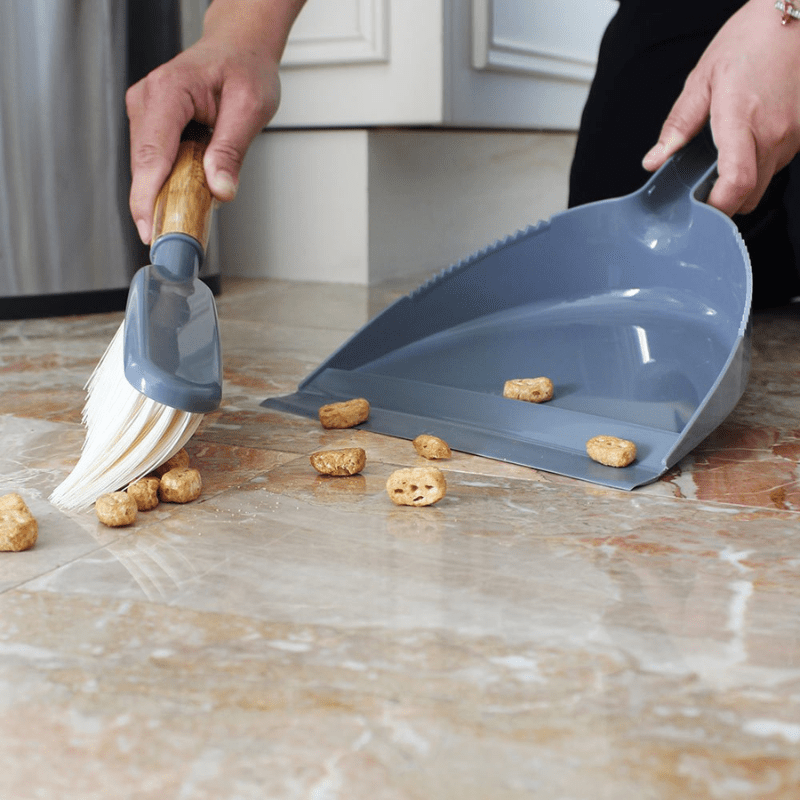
{"x":747,"y":84}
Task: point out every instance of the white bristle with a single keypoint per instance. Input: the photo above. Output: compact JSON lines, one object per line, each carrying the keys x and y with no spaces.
{"x":127,"y":434}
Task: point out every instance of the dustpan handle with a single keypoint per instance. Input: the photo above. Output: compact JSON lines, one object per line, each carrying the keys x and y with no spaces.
{"x":695,"y":161}
{"x":185,"y":203}
{"x":690,"y":172}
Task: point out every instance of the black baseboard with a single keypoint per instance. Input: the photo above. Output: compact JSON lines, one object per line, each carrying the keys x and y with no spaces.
{"x":36,"y":306}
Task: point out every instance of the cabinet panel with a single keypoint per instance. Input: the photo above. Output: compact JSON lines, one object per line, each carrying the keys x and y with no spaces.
{"x":364,"y":63}
{"x":523,"y":64}
{"x":346,"y":32}
{"x":547,"y":37}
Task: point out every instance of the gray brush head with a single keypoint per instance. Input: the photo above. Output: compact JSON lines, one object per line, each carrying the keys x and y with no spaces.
{"x":172,"y":351}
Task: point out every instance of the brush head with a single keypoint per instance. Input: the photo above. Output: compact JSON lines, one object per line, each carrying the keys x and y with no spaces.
{"x":172,"y":349}
{"x":163,"y":368}
{"x":127,"y":434}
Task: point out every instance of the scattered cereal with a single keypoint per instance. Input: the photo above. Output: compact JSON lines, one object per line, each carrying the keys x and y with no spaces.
{"x":611,"y":451}
{"x":180,"y":485}
{"x":18,"y":528}
{"x":115,"y":509}
{"x":431,"y":446}
{"x":416,"y":486}
{"x":532,"y":390}
{"x":349,"y":461}
{"x":346,"y":414}
{"x":145,"y":493}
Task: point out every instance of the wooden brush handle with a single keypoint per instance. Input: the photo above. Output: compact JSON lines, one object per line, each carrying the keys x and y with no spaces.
{"x":185,"y":203}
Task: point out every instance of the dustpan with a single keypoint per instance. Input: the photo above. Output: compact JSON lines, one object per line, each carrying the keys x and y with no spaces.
{"x":637,"y":308}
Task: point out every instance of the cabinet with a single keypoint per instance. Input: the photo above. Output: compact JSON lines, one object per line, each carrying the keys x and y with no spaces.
{"x":488,"y":63}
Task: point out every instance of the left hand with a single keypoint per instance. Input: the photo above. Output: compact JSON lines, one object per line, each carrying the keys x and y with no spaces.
{"x":748,"y":84}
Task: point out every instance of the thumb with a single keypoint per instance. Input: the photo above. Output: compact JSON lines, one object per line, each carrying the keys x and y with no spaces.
{"x":222,"y":163}
{"x":684,"y":122}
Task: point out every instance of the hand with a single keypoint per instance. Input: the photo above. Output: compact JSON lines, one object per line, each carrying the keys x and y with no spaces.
{"x":228,"y":80}
{"x":748,"y":83}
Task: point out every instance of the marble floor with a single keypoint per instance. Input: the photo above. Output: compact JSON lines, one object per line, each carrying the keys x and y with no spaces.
{"x":294,"y":636}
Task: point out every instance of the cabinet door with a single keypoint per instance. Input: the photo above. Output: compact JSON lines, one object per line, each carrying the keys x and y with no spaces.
{"x":530,"y":62}
{"x":363,"y":63}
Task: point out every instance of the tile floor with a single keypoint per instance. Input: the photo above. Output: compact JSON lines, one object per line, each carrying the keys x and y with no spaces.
{"x":291,"y":636}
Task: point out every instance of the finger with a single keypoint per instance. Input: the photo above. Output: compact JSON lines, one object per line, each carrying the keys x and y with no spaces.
{"x":243,"y":113}
{"x":670,"y":140}
{"x":754,"y":198}
{"x":685,"y":120}
{"x":737,"y":165}
{"x":766,"y":168}
{"x":156,"y":122}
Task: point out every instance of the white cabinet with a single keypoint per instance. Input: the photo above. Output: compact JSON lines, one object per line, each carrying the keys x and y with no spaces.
{"x":459,"y":63}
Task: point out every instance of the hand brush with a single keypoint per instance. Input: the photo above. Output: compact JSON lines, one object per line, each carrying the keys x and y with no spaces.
{"x":163,"y":369}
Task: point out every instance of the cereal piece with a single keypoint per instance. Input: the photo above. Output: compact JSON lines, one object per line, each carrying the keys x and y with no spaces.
{"x":611,"y":451}
{"x":145,"y":493}
{"x":349,"y":461}
{"x":18,"y":528}
{"x":180,"y":485}
{"x":180,"y":459}
{"x":346,"y":414}
{"x":431,"y":446}
{"x":416,"y":486}
{"x":116,"y":509}
{"x":532,"y":390}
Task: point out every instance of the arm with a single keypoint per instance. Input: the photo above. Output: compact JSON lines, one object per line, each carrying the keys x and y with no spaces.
{"x":748,"y":83}
{"x":227,"y":80}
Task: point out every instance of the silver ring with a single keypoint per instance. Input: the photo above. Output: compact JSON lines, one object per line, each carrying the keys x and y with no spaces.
{"x":788,"y":10}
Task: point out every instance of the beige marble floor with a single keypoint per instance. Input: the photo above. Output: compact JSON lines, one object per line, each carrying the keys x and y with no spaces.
{"x":292,"y":636}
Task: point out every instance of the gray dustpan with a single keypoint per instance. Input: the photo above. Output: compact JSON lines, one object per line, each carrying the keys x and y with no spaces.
{"x":637,"y":309}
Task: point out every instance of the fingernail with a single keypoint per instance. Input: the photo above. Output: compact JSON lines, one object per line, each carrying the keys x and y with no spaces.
{"x":144,"y":231}
{"x":225,"y":186}
{"x":652,"y":156}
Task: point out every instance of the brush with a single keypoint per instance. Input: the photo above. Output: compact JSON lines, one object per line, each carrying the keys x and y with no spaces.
{"x":162,"y":370}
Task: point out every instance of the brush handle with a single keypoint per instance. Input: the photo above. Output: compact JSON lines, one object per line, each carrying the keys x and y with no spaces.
{"x":185,"y":203}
